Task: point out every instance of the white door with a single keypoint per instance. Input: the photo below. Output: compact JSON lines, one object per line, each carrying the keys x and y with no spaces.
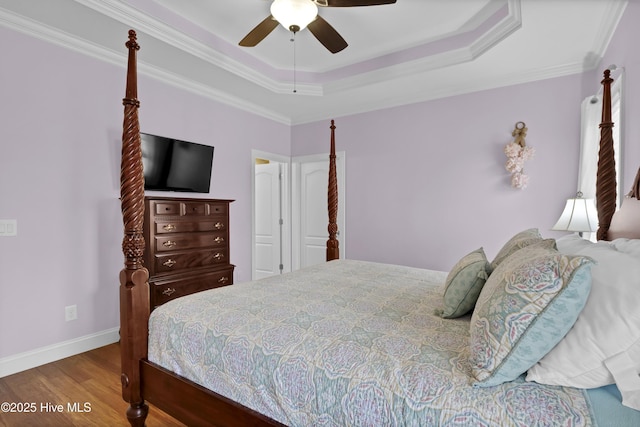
{"x":268,"y":220}
{"x":310,"y":212}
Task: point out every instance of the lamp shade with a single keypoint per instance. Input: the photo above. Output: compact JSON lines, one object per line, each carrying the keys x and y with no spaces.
{"x":579,"y":215}
{"x":294,"y":13}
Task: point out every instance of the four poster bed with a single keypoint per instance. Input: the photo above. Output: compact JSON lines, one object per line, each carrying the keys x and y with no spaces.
{"x":359,"y":343}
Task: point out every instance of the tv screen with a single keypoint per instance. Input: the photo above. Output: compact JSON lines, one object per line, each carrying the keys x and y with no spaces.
{"x":174,"y":165}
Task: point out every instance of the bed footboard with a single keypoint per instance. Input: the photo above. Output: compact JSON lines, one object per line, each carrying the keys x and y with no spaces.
{"x":194,"y":404}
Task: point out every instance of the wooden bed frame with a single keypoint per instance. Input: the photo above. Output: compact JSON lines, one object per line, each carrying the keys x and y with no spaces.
{"x":141,"y":379}
{"x":606,"y":173}
{"x":183,"y":399}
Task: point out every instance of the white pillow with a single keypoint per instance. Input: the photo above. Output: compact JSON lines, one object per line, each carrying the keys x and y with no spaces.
{"x":607,"y":327}
{"x":572,"y":243}
{"x":628,"y":246}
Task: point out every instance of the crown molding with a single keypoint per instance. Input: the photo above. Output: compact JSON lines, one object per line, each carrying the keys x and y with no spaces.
{"x":214,"y":60}
{"x":440,"y":92}
{"x":507,"y":26}
{"x":132,"y":17}
{"x":60,"y":38}
{"x":502,"y":30}
{"x":143,"y":23}
{"x":210,"y":92}
{"x":605,"y":33}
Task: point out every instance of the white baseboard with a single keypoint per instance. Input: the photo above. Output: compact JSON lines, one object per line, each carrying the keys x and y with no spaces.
{"x":40,"y":356}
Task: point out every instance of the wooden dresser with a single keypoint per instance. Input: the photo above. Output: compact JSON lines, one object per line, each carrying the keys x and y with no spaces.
{"x":187,"y":246}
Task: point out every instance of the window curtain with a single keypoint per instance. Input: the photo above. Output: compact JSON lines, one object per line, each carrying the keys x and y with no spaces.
{"x":590,"y":141}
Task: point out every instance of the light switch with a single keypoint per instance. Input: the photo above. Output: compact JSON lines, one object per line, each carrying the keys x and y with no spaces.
{"x":8,"y":227}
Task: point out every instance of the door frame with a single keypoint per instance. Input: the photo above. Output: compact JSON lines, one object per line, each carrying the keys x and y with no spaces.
{"x":285,"y":202}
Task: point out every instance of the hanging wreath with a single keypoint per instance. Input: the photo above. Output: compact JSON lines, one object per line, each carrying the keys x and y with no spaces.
{"x":517,"y":153}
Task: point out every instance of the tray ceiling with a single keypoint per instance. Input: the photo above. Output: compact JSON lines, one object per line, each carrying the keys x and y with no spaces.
{"x":412,"y":51}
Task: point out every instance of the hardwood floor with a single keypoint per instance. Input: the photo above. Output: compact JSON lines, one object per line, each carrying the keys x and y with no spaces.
{"x":82,"y":390}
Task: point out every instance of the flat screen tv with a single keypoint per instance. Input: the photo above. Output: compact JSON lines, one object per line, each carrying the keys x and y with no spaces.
{"x":173,"y":165}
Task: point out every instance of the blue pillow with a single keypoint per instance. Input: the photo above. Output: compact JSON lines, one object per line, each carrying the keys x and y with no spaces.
{"x":527,"y":306}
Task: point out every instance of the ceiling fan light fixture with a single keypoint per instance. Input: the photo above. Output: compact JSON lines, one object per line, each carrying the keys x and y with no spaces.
{"x":294,"y":13}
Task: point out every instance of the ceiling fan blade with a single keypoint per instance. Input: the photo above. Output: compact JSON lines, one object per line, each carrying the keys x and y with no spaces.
{"x":327,"y":35}
{"x":261,"y":31}
{"x":351,"y":3}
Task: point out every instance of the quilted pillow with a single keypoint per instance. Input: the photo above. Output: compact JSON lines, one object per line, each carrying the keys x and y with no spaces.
{"x":607,"y":328}
{"x":464,"y":283}
{"x":519,"y":241}
{"x":527,"y":305}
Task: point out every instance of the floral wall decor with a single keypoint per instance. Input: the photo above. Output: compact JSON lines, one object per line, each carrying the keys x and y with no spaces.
{"x":517,"y":153}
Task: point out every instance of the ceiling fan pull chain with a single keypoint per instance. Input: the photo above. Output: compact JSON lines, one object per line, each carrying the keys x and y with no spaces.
{"x":293,"y":40}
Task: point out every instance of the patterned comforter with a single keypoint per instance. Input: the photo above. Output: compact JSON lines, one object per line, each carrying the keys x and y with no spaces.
{"x":346,"y":343}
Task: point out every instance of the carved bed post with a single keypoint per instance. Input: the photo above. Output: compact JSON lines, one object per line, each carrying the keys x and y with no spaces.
{"x":606,"y":177}
{"x":333,"y":251}
{"x":134,"y":288}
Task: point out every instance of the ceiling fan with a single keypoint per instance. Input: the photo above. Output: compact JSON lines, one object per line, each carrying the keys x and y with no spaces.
{"x":295,"y":15}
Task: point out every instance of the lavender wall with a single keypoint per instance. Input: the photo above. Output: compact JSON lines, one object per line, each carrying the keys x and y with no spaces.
{"x":425,"y":183}
{"x":61,"y":121}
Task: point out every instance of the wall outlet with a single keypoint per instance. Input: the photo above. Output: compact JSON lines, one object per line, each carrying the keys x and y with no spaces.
{"x":70,"y":312}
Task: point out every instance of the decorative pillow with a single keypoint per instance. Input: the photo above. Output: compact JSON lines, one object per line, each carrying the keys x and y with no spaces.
{"x":519,"y":241}
{"x":607,"y":328}
{"x":527,"y":305}
{"x":626,"y":221}
{"x":464,"y":283}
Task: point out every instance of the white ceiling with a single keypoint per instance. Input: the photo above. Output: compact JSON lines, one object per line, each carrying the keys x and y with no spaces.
{"x":411,"y":51}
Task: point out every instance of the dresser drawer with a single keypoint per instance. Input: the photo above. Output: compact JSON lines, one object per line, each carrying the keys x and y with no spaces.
{"x":195,"y":208}
{"x":218,"y":208}
{"x":167,"y":208}
{"x":187,"y":208}
{"x":213,"y":224}
{"x":180,"y":242}
{"x":166,"y":290}
{"x":192,"y":259}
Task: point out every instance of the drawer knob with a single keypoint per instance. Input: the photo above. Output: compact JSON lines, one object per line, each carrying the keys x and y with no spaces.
{"x":169,"y":244}
{"x":168,"y":291}
{"x":218,"y":256}
{"x":219,"y":225}
{"x":223,"y":279}
{"x":169,"y":227}
{"x":169,"y":263}
{"x":219,"y":239}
